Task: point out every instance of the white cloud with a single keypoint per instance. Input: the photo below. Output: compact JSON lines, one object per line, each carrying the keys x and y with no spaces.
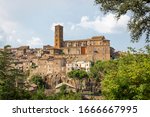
{"x":106,"y":24}
{"x":8,"y":28}
{"x":12,"y":32}
{"x":6,"y":23}
{"x":35,"y":42}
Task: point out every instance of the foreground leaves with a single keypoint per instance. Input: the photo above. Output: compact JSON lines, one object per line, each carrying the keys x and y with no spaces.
{"x":130,"y":79}
{"x":139,"y":24}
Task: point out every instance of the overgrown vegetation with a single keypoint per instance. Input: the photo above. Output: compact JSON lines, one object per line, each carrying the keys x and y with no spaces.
{"x":65,"y":95}
{"x":125,"y":78}
{"x":12,"y":85}
{"x":78,"y":76}
{"x":11,"y":79}
{"x":37,"y":79}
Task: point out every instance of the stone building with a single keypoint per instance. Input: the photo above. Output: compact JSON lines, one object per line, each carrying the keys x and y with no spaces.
{"x":22,"y":50}
{"x":47,"y":66}
{"x":64,"y":56}
{"x":78,"y":65}
{"x":95,"y":48}
{"x":52,"y":50}
{"x":54,"y":62}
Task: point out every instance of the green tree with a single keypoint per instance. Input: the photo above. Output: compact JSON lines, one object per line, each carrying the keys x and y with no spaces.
{"x":128,"y":78}
{"x":37,"y":79}
{"x":10,"y":77}
{"x":96,"y":72}
{"x":78,"y":75}
{"x":139,"y":23}
{"x":96,"y":75}
{"x":39,"y":94}
{"x":64,"y":94}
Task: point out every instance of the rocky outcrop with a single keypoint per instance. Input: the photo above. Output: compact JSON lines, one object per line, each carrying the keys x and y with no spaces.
{"x":56,"y":78}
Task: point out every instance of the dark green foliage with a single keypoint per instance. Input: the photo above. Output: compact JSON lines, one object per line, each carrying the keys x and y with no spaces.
{"x":78,"y":74}
{"x":62,"y":95}
{"x":37,"y":79}
{"x":96,"y":72}
{"x":139,"y":23}
{"x":63,"y":89}
{"x":65,"y":95}
{"x":147,"y":47}
{"x":39,"y":94}
{"x":22,"y":94}
{"x":68,"y":96}
{"x":10,"y":77}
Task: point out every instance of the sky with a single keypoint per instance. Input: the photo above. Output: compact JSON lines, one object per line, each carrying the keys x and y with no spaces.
{"x":31,"y":22}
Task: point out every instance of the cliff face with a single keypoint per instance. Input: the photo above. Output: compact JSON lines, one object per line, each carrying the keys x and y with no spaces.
{"x":53,"y":80}
{"x":56,"y":78}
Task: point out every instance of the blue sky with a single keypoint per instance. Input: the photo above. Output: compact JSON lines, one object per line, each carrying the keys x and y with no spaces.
{"x":31,"y":22}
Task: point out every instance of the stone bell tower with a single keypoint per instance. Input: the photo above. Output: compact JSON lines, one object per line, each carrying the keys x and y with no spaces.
{"x":58,"y":36}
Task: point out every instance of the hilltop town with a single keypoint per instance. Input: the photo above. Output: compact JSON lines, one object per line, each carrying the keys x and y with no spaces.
{"x":75,"y":68}
{"x":71,"y":69}
{"x":54,"y":62}
{"x":64,"y":56}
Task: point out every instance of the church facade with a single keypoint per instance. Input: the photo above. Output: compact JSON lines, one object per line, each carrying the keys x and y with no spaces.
{"x":93,"y":49}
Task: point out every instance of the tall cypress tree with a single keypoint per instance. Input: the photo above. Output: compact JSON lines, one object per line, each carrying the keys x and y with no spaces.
{"x":9,"y":77}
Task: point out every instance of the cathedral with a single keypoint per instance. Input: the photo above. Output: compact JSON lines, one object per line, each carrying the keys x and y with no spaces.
{"x":91,"y":49}
{"x":64,"y":56}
